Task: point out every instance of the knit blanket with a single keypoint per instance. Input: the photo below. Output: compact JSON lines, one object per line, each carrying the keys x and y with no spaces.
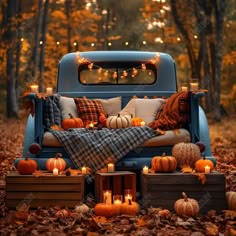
{"x":95,"y":148}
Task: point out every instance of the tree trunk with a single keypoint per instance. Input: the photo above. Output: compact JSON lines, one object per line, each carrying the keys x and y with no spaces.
{"x":68,"y":17}
{"x":219,"y":6}
{"x":42,"y":51}
{"x":12,"y":106}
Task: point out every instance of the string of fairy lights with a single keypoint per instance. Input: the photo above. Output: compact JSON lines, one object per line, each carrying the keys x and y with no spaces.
{"x":133,"y":71}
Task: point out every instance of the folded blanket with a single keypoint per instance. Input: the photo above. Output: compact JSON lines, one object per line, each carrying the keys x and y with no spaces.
{"x":95,"y":148}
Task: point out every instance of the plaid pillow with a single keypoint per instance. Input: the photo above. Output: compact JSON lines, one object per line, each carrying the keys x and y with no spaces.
{"x":89,"y":110}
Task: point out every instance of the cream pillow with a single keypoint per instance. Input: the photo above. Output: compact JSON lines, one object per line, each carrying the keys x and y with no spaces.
{"x":67,"y":105}
{"x":147,"y":108}
{"x":143,"y":108}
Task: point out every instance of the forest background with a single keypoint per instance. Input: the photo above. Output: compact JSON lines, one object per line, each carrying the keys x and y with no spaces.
{"x":198,"y":34}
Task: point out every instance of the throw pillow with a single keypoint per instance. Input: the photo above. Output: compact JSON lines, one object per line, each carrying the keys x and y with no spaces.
{"x":89,"y":110}
{"x":67,"y":105}
{"x":111,"y":106}
{"x":174,"y":113}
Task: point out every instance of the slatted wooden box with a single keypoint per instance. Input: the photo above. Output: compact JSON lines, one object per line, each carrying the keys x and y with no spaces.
{"x":44,"y":191}
{"x":163,"y":189}
{"x":116,"y":181}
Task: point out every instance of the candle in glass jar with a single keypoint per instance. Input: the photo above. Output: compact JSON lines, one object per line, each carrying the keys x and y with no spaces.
{"x":110,"y":167}
{"x":84,"y":170}
{"x":34,"y":88}
{"x":55,"y":171}
{"x":49,"y":90}
{"x":145,"y":170}
{"x":107,"y":197}
{"x":142,"y":123}
{"x":207,"y":169}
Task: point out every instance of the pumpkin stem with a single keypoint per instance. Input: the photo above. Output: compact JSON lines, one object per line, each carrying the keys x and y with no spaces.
{"x":130,"y":202}
{"x":27,"y":156}
{"x":118,"y":115}
{"x":163,"y":154}
{"x":187,"y":140}
{"x":70,"y":115}
{"x":58,"y":155}
{"x":203,"y":156}
{"x":185,"y":196}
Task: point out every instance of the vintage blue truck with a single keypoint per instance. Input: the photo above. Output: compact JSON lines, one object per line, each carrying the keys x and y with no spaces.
{"x":110,"y":74}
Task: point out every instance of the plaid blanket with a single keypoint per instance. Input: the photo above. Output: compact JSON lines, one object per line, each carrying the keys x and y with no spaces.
{"x":95,"y":148}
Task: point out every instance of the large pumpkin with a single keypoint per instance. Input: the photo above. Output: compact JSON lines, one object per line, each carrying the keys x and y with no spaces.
{"x":186,"y":206}
{"x":72,"y":123}
{"x":186,"y":153}
{"x":56,"y":162}
{"x":106,"y":210}
{"x":130,"y":208}
{"x":202,"y":163}
{"x":27,"y":166}
{"x":116,"y":122}
{"x":231,"y":200}
{"x":164,"y":163}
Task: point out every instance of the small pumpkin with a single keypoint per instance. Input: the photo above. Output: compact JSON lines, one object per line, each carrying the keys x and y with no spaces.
{"x":130,"y":208}
{"x":82,"y":208}
{"x":103,"y":119}
{"x":186,"y":154}
{"x":62,"y":213}
{"x":117,"y":122}
{"x":27,"y":166}
{"x":164,"y":163}
{"x":56,"y":162}
{"x":186,"y":206}
{"x":72,"y":123}
{"x":200,"y":164}
{"x":136,"y":121}
{"x":231,"y":200}
{"x":106,"y":210}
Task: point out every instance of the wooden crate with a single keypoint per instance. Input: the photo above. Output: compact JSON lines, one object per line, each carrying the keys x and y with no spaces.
{"x":163,"y":189}
{"x":44,"y":191}
{"x":116,"y":181}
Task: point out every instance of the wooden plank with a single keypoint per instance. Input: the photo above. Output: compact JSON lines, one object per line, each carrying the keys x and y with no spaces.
{"x":45,"y":187}
{"x":29,"y":179}
{"x":43,"y":203}
{"x":45,"y":195}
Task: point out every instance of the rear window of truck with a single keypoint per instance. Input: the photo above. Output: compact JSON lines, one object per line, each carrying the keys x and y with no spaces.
{"x":117,"y":73}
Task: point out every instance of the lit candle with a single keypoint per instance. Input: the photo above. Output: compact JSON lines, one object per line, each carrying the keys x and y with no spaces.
{"x":194,"y":85}
{"x":127,"y":198}
{"x":117,"y":199}
{"x":207,"y":169}
{"x":142,"y":123}
{"x":55,"y":171}
{"x":110,"y":167}
{"x":34,"y":88}
{"x":107,"y":196}
{"x":184,"y":88}
{"x":49,"y":90}
{"x":145,"y":170}
{"x":84,"y":170}
{"x":91,"y":125}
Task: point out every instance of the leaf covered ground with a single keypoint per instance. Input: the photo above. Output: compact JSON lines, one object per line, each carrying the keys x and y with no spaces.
{"x":152,"y":221}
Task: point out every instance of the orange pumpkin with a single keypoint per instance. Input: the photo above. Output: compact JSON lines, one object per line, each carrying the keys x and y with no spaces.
{"x":136,"y":121}
{"x":130,"y":208}
{"x":186,"y":206}
{"x":27,"y":166}
{"x":164,"y":163}
{"x":103,"y":119}
{"x":106,"y":210}
{"x":200,"y":164}
{"x":56,"y":162}
{"x":72,"y":123}
{"x":186,"y":154}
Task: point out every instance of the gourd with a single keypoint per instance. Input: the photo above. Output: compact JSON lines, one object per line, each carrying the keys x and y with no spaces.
{"x":231,"y":200}
{"x":106,"y":210}
{"x":186,"y":206}
{"x":72,"y":123}
{"x":164,"y":163}
{"x":116,"y":122}
{"x":82,"y":208}
{"x":130,"y":208}
{"x":186,"y":154}
{"x":136,"y":121}
{"x":27,"y":166}
{"x":56,"y":162}
{"x":200,"y":164}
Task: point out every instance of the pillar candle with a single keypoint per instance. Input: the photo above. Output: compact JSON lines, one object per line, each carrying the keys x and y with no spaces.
{"x":107,"y":196}
{"x":55,"y":171}
{"x":145,"y":170}
{"x":110,"y":167}
{"x":49,"y":90}
{"x":34,"y":88}
{"x":207,"y":169}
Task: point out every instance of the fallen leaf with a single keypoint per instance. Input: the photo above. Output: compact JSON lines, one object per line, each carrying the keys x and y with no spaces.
{"x":56,"y":127}
{"x":201,"y":177}
{"x":230,"y":213}
{"x":141,"y":222}
{"x":38,"y":173}
{"x":186,"y":169}
{"x":211,"y":229}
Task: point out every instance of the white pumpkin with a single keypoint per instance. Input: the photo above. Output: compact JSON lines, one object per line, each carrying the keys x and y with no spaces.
{"x":231,"y":200}
{"x":117,"y":122}
{"x":82,"y":208}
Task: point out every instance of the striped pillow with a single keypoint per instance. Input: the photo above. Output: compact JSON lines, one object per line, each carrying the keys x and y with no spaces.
{"x":89,"y":110}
